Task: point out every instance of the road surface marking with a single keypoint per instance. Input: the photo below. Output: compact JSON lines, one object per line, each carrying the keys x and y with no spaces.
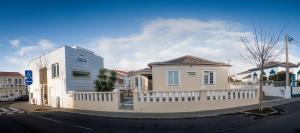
{"x":15,"y":110}
{"x":4,"y":110}
{"x":10,"y":111}
{"x":86,"y":128}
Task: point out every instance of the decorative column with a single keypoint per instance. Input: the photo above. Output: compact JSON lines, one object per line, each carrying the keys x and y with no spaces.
{"x":139,"y":82}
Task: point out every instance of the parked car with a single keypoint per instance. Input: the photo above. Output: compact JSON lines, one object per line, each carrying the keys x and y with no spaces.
{"x":22,"y":98}
{"x":6,"y":99}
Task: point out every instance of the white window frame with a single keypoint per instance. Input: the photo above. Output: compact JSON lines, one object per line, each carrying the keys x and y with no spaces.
{"x":56,"y":67}
{"x":167,"y":78}
{"x":214,"y":77}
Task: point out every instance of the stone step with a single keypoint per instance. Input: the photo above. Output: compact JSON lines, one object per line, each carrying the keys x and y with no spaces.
{"x":126,"y":107}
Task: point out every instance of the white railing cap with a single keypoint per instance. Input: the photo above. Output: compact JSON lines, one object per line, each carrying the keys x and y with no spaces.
{"x":116,"y":90}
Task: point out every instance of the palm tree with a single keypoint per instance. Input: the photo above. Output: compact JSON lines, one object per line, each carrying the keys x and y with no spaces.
{"x":104,"y":82}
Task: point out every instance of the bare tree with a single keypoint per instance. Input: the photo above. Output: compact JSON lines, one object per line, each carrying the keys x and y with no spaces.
{"x":262,"y":48}
{"x":41,"y":65}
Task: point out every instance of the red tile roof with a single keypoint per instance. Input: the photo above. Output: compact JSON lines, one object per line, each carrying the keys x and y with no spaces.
{"x":121,"y":72}
{"x":189,"y":60}
{"x":17,"y":74}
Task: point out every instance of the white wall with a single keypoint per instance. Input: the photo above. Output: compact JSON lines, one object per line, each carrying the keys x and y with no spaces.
{"x":274,"y":91}
{"x":58,"y":87}
{"x":55,"y":85}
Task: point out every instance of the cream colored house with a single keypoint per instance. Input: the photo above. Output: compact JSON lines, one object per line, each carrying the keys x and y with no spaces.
{"x":12,"y":86}
{"x":122,"y":81}
{"x":179,"y":74}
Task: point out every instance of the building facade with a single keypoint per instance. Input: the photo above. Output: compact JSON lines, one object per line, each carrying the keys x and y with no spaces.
{"x":122,"y":79}
{"x":252,"y":75}
{"x":12,"y":86}
{"x":62,"y":70}
{"x":180,"y":74}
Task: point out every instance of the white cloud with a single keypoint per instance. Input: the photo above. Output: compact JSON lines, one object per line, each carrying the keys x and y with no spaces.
{"x":46,"y":44}
{"x":15,"y":43}
{"x":27,"y":49}
{"x":164,"y":39}
{"x":18,"y":60}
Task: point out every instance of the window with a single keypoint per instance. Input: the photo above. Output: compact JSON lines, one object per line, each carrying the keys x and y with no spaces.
{"x":20,"y":81}
{"x":173,"y":77}
{"x":9,"y":81}
{"x":209,"y":77}
{"x":55,"y":70}
{"x":16,"y":81}
{"x":81,"y":74}
{"x":136,"y":81}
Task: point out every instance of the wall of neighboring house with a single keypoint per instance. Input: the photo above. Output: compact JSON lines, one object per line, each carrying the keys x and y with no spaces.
{"x":241,"y":77}
{"x":55,"y":85}
{"x":191,"y":77}
{"x":13,"y":89}
{"x":136,"y":80}
{"x":58,"y":87}
{"x":268,"y":70}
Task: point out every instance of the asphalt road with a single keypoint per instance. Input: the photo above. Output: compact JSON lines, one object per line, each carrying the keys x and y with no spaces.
{"x":56,"y":122}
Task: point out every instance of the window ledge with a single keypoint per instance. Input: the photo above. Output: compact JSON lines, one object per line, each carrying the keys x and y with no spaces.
{"x":210,"y":84}
{"x":173,"y":85}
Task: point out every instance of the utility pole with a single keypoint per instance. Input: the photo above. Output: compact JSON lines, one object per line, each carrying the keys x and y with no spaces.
{"x":229,"y":74}
{"x":287,"y":61}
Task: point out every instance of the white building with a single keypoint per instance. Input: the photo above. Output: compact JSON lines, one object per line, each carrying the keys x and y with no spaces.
{"x":272,"y":68}
{"x":62,"y":70}
{"x":11,"y":86}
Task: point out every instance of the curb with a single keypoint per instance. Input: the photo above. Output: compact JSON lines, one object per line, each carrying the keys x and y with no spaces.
{"x":183,"y":115}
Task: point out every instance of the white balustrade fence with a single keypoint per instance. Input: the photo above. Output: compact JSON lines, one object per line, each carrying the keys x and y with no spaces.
{"x":184,"y":96}
{"x":171,"y":96}
{"x":231,"y":94}
{"x":165,"y":101}
{"x":93,"y":96}
{"x":100,"y":101}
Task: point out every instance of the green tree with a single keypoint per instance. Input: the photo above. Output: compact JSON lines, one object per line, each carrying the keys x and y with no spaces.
{"x":105,"y":82}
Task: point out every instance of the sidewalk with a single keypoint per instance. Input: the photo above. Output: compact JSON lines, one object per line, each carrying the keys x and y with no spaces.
{"x":31,"y":108}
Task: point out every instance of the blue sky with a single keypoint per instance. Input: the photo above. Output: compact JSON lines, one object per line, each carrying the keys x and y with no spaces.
{"x":97,"y":25}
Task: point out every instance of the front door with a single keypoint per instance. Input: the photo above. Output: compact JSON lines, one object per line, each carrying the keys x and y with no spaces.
{"x":150,"y":83}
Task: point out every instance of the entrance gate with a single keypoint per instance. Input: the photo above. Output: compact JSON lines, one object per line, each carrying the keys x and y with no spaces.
{"x":295,"y":91}
{"x":126,"y":99}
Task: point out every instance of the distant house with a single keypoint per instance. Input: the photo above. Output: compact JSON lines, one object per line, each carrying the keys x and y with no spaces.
{"x":12,"y":86}
{"x":272,"y":68}
{"x":183,"y":73}
{"x":122,"y":81}
{"x":141,"y":79}
{"x":244,"y":77}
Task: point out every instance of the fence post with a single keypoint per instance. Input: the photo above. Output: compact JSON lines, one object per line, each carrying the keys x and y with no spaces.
{"x":135,"y":96}
{"x":203,"y":96}
{"x":288,"y":92}
{"x":116,"y":97}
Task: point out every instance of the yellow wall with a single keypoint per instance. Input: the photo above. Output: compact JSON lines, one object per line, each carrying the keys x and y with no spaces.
{"x":189,"y":82}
